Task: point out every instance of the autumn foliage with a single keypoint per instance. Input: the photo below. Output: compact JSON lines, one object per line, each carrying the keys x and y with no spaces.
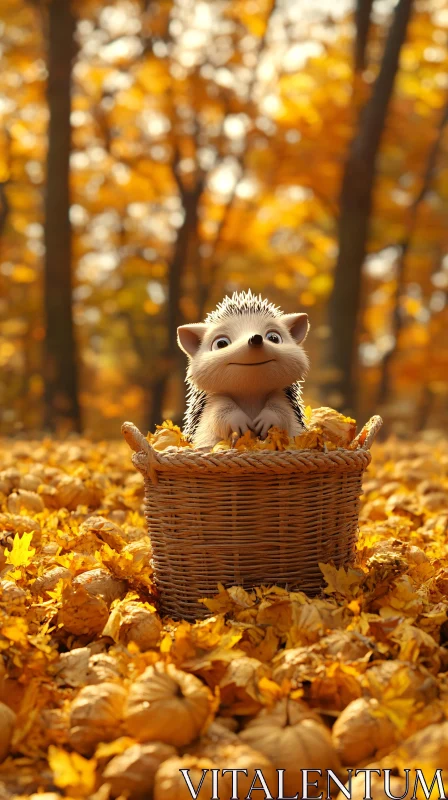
{"x":209,"y":143}
{"x":155,"y":156}
{"x":97,"y":689}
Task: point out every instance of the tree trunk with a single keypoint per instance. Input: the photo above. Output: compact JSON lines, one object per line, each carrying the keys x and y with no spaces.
{"x":172,"y":358}
{"x":397,"y":316}
{"x":61,"y":397}
{"x":4,"y":206}
{"x":362,"y":21}
{"x":355,"y":209}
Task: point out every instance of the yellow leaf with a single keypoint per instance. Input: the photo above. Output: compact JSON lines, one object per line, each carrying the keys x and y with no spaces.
{"x":70,"y":770}
{"x":16,"y":631}
{"x":108,"y":749}
{"x":21,"y":553}
{"x":307,"y":415}
{"x":58,"y":589}
{"x":341,"y":581}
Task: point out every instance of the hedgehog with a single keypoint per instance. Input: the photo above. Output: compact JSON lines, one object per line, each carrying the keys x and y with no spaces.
{"x":246,"y":366}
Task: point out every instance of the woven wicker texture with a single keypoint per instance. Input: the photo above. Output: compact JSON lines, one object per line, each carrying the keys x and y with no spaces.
{"x":247,"y":518}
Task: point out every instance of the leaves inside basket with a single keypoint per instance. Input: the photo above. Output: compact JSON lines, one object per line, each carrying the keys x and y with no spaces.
{"x":326,"y":429}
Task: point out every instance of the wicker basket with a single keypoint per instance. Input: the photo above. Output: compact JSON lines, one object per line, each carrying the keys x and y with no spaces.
{"x":247,"y":518}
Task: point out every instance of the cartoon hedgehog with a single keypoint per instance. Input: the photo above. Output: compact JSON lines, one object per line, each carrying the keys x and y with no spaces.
{"x":245,"y":367}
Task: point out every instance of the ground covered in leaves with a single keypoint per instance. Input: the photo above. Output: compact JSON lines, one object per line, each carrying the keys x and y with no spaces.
{"x":100,"y":697}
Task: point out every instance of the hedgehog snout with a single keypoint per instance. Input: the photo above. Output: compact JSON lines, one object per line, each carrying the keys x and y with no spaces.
{"x":255,"y":341}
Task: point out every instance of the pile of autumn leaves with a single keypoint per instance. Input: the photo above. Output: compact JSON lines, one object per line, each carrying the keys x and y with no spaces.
{"x":326,"y":430}
{"x":101,"y":698}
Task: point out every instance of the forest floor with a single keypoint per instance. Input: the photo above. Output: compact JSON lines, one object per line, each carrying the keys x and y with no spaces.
{"x":100,"y":697}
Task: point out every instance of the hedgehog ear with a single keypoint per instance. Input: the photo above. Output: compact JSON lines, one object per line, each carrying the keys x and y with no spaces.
{"x":189,"y":337}
{"x":297,"y":324}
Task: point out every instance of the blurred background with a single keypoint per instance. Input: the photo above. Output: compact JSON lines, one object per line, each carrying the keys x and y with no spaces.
{"x":157,"y":155}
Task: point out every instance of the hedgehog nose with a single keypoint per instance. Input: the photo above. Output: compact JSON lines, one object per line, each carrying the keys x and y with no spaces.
{"x":255,"y":341}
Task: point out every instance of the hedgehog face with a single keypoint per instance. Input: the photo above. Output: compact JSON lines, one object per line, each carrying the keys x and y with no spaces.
{"x":247,"y":352}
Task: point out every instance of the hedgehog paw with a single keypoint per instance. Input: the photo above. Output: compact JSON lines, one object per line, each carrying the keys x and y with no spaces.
{"x":266,"y":419}
{"x":238,"y":422}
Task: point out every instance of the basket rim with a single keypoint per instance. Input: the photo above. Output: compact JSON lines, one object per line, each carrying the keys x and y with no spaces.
{"x":170,"y":456}
{"x":151,"y":462}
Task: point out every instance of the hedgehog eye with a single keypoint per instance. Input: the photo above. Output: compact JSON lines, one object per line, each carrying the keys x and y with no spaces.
{"x":274,"y":337}
{"x":220,"y":342}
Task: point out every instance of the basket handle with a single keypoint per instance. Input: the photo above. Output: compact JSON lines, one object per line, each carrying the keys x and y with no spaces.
{"x":366,"y":436}
{"x":135,"y":439}
{"x":145,"y":458}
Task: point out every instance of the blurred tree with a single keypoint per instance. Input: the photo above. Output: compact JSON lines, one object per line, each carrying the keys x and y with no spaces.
{"x":362,"y":21}
{"x":184,"y":102}
{"x":384,"y":389}
{"x":186,"y":240}
{"x":4,"y":202}
{"x":4,"y":205}
{"x":355,"y":209}
{"x":61,"y":392}
{"x":208,"y":150}
{"x":187,"y":248}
